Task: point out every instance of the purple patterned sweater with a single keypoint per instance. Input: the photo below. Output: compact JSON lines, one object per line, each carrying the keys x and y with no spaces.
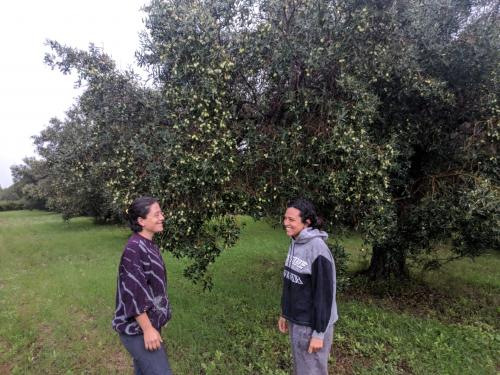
{"x":142,"y":287}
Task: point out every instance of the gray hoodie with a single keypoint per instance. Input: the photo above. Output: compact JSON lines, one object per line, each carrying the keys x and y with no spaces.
{"x":309,"y":282}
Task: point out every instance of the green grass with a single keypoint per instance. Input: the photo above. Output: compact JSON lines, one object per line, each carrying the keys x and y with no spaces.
{"x":57,"y":290}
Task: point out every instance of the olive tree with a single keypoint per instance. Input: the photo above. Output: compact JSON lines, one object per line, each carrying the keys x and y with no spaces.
{"x":27,"y":180}
{"x":123,"y":139}
{"x":385,"y":113}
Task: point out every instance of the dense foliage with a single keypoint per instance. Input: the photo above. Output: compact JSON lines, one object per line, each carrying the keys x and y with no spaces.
{"x":11,"y":205}
{"x":385,"y":113}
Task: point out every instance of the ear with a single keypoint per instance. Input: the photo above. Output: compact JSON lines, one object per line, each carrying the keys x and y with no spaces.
{"x":308,"y":222}
{"x":140,"y":221}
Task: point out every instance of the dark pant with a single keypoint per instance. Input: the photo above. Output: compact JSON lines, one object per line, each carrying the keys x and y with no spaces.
{"x":146,"y":362}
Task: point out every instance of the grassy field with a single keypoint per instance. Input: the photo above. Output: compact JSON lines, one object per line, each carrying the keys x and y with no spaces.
{"x":57,"y":290}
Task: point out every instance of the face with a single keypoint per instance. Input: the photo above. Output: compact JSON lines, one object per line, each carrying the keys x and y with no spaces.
{"x":293,"y":222}
{"x":153,"y":222}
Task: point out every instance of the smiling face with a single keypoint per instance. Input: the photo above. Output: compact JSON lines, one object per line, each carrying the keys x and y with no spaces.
{"x":292,"y":221}
{"x":152,"y":223}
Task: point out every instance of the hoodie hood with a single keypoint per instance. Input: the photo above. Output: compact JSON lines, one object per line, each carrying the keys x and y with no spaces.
{"x":307,"y":234}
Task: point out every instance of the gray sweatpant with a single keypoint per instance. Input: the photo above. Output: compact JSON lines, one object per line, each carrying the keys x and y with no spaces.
{"x":305,"y":363}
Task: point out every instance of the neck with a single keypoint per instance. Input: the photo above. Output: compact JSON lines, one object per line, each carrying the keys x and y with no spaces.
{"x":146,"y":234}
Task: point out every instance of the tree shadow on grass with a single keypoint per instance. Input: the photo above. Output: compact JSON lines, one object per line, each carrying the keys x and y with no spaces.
{"x":418,"y":298}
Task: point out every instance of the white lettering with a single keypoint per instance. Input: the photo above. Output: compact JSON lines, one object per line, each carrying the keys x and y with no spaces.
{"x":297,"y":262}
{"x":292,"y":277}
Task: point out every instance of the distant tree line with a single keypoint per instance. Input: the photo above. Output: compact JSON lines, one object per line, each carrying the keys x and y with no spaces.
{"x":384,"y":113}
{"x":18,"y":195}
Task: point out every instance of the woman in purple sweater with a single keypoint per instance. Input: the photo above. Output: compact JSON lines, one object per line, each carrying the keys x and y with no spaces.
{"x":142,"y":305}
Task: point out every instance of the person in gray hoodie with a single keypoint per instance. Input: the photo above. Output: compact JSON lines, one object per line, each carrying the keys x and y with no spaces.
{"x":308,"y":306}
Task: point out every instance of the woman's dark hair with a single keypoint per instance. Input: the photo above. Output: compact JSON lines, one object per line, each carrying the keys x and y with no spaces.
{"x":139,"y":208}
{"x":307,"y":212}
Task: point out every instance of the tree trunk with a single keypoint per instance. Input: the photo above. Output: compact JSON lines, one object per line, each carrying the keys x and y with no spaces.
{"x":386,"y":262}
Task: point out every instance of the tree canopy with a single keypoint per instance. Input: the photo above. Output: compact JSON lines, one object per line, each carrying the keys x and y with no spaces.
{"x":384,"y":113}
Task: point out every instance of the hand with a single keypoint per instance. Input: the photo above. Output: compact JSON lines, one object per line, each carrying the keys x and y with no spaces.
{"x":315,"y":345}
{"x":282,"y":325}
{"x":152,"y":339}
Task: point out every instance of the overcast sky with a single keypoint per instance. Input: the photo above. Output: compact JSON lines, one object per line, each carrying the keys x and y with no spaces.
{"x":30,"y":92}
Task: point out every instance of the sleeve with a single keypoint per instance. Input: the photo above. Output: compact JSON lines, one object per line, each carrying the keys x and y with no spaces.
{"x":285,"y":285}
{"x":322,"y":283}
{"x":134,"y":290}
